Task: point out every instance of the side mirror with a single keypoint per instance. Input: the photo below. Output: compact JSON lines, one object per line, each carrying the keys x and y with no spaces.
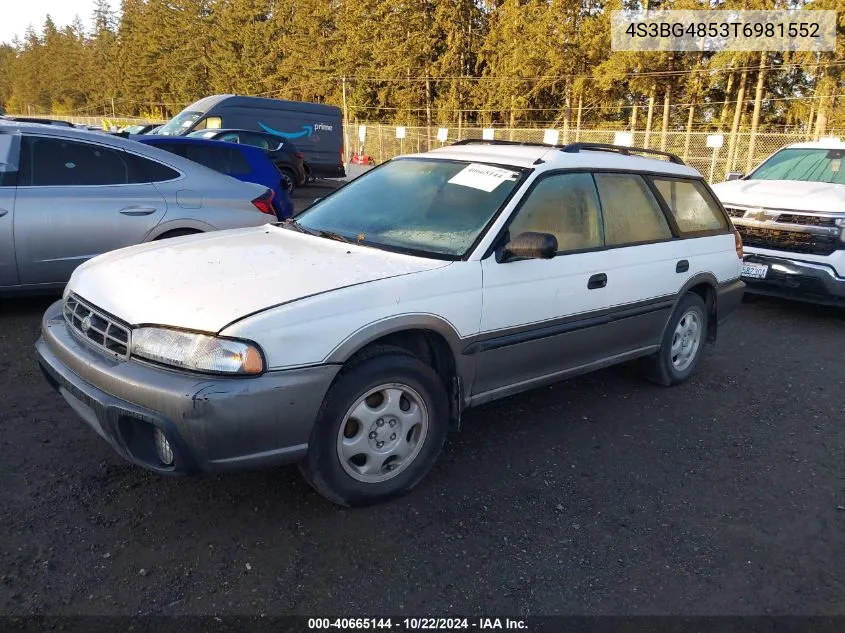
{"x":734,"y":175}
{"x":530,"y":245}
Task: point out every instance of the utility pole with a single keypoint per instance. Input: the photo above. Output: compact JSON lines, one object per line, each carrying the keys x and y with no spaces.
{"x":345,"y":124}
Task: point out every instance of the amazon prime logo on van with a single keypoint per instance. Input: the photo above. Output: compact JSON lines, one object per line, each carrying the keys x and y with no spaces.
{"x":306,"y":131}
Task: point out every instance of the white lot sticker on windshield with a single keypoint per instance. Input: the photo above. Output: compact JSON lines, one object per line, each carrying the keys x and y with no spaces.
{"x":482,"y":177}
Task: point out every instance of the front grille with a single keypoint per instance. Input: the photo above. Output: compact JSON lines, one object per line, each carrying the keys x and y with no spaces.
{"x":793,"y":241}
{"x":95,"y":326}
{"x":805,"y":220}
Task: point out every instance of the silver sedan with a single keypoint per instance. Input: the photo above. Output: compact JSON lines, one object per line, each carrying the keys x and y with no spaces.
{"x":67,"y":195}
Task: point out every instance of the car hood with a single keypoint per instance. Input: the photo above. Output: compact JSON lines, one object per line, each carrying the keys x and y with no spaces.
{"x":795,"y":195}
{"x":207,"y":281}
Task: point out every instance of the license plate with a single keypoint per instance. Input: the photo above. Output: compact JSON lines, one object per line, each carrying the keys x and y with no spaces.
{"x":754,"y":271}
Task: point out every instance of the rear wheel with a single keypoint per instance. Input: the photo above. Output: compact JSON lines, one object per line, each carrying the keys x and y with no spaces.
{"x":682,"y":343}
{"x":288,"y":180}
{"x":381,"y":428}
{"x":177,"y":233}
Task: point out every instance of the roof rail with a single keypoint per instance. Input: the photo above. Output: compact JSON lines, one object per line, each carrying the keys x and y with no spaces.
{"x":479,"y":141}
{"x":574,"y":148}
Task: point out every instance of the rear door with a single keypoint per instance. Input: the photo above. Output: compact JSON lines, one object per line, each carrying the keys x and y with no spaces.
{"x":9,"y":156}
{"x":645,"y":263}
{"x":706,"y":229}
{"x":77,"y":199}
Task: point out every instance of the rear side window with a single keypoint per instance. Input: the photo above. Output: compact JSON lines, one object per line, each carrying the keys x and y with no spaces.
{"x":631,"y":212}
{"x":223,"y":159}
{"x":147,"y":170}
{"x":55,"y":162}
{"x":692,"y":205}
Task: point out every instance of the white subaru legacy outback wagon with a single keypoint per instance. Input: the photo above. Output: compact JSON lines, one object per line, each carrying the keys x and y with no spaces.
{"x":351,"y":338}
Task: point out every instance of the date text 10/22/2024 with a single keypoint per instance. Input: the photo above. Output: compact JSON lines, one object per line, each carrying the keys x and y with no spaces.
{"x":417,"y":624}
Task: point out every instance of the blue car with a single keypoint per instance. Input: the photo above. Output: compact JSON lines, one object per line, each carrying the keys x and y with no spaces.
{"x":243,"y":162}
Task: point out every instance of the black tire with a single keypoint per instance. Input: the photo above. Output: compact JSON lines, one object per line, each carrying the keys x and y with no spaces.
{"x":289,"y":180}
{"x":176,"y":233}
{"x":322,"y":467}
{"x":660,"y":367}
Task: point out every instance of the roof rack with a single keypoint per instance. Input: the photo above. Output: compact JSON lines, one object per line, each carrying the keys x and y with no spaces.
{"x":574,"y":148}
{"x":478,"y":141}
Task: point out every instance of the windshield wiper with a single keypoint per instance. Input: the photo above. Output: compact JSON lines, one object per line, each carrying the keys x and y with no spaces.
{"x":329,"y":235}
{"x":298,"y":227}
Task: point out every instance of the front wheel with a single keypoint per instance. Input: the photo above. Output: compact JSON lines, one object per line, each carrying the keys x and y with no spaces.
{"x":380,"y":430}
{"x":682,"y":343}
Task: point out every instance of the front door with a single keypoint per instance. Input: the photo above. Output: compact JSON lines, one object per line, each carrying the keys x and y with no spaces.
{"x":530,"y":306}
{"x":76,"y":200}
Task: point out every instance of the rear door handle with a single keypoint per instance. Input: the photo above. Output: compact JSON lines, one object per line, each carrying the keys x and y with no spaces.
{"x":682,"y":266}
{"x":3,"y":212}
{"x":597,"y":281}
{"x":135,"y":211}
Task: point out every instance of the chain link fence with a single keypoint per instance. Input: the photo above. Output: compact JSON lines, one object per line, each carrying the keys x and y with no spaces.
{"x":736,"y":154}
{"x":381,"y":143}
{"x":105,"y":122}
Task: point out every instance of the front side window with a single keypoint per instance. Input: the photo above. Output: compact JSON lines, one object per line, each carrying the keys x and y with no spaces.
{"x":566,"y":206}
{"x":691,"y":205}
{"x":430,"y":206}
{"x":57,"y":162}
{"x":631,"y":213}
{"x":801,"y":163}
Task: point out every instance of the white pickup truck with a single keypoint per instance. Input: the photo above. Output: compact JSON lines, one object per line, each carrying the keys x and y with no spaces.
{"x":790,"y":212}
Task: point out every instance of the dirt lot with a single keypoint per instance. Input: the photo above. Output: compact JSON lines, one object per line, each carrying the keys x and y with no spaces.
{"x":605,"y":494}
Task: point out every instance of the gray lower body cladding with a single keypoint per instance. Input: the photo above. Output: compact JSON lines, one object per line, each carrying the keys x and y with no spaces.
{"x":213,"y":423}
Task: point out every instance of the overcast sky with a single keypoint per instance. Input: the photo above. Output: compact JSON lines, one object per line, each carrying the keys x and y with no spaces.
{"x":16,"y":15}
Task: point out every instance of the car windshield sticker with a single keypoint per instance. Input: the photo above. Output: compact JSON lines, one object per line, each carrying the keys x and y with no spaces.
{"x":482,"y":177}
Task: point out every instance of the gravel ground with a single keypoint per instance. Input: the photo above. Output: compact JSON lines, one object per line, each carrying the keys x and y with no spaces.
{"x":601,"y":495}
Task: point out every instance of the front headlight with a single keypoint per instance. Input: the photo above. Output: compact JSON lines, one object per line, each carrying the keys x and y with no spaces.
{"x":196,"y":352}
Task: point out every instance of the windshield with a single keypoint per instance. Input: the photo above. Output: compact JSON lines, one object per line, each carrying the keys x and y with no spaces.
{"x":808,"y":164}
{"x":437,"y":207}
{"x":181,"y":122}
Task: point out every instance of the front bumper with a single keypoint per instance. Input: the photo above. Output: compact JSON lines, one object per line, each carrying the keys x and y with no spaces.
{"x":212,"y":423}
{"x":795,"y":279}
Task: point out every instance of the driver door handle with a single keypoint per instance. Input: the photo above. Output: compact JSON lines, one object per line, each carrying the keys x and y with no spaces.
{"x":3,"y":212}
{"x":135,"y":211}
{"x":597,"y":281}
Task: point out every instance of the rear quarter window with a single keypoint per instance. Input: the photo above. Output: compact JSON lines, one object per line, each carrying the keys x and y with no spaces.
{"x":692,"y":206}
{"x":147,"y":170}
